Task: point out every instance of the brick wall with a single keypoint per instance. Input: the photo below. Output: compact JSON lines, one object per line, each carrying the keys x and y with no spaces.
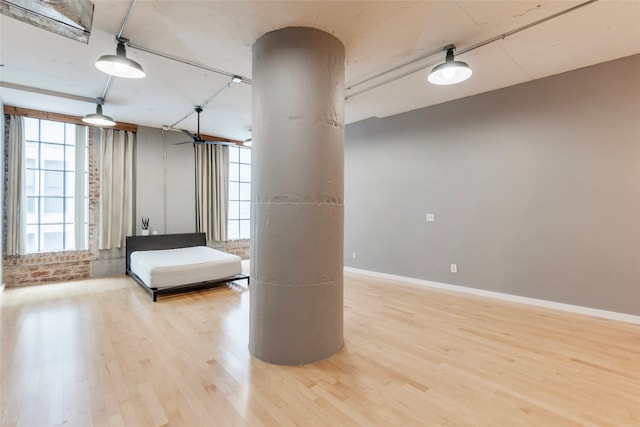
{"x":238,"y":247}
{"x":49,"y":267}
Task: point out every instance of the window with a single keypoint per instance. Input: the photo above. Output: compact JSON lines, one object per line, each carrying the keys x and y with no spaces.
{"x":56,"y":186}
{"x":239,"y":216}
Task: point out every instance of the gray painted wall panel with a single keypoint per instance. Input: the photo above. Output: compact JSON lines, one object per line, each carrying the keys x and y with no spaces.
{"x":535,"y":190}
{"x":150,"y":182}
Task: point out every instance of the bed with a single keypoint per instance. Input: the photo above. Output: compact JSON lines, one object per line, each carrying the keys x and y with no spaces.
{"x":174,"y":263}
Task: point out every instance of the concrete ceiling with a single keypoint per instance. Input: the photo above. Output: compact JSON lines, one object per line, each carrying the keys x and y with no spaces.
{"x":378,"y":36}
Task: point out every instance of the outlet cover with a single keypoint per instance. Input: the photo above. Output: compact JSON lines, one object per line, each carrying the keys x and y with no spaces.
{"x":454,"y":268}
{"x":431,"y":217}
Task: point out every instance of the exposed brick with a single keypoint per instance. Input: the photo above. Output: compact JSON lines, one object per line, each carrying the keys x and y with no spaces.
{"x":50,"y":267}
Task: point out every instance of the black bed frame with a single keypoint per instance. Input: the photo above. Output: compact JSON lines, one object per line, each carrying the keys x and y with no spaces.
{"x":171,"y":241}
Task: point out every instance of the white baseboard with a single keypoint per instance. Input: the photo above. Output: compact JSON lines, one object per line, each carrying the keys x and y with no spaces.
{"x":612,"y":315}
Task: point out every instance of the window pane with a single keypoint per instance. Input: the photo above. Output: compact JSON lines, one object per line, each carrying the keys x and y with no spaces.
{"x":31,"y":184}
{"x":70,"y":158}
{"x":52,"y":238}
{"x":245,"y":191}
{"x":233,"y":231}
{"x":245,"y":229}
{"x":31,"y":154}
{"x":53,"y":183}
{"x":245,"y":173}
{"x":71,"y":134}
{"x":52,"y":132}
{"x":234,"y":172}
{"x":52,"y":156}
{"x":31,"y":129}
{"x":234,"y":154}
{"x":70,"y":238}
{"x":70,"y":213}
{"x":52,"y":210}
{"x":32,"y":238}
{"x":234,"y":210}
{"x":245,"y":210}
{"x":70,"y":183}
{"x":234,"y":190}
{"x":32,"y":210}
{"x":245,"y":155}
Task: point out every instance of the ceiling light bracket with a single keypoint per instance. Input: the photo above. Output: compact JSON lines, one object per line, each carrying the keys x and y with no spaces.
{"x":450,"y":49}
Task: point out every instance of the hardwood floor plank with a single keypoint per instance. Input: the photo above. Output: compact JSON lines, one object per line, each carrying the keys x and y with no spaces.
{"x":100,"y":353}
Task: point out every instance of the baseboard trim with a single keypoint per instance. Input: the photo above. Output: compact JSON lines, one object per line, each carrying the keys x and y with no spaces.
{"x":595,"y":312}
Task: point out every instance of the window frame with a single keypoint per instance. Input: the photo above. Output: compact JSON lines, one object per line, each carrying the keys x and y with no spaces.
{"x":73,"y":222}
{"x":242,"y":197}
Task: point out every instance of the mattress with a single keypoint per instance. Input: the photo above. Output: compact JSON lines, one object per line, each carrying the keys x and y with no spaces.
{"x":174,"y":267}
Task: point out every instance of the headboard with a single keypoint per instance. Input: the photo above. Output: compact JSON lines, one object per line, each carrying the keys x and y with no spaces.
{"x":163,"y":241}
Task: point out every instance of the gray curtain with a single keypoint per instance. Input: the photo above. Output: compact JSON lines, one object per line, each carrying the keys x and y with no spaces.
{"x":16,"y":212}
{"x":116,"y":187}
{"x":212,"y":190}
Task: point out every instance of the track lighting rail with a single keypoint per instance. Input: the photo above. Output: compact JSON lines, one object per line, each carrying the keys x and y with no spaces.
{"x":186,"y":62}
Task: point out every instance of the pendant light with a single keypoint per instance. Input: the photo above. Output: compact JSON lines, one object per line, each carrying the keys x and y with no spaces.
{"x":119,"y":65}
{"x":450,"y":71}
{"x":98,"y":119}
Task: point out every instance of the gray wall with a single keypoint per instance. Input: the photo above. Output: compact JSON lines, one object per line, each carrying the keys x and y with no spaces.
{"x":170,"y":211}
{"x":535,"y":190}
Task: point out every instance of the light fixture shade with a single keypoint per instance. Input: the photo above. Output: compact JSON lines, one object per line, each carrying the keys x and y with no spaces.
{"x":450,"y":72}
{"x":98,"y":118}
{"x":119,"y":65}
{"x":247,"y":142}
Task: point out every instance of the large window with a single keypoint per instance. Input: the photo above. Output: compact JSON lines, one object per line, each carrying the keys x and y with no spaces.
{"x":239,"y":217}
{"x":56,"y":186}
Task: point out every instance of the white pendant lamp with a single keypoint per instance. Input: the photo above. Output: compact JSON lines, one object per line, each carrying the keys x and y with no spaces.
{"x":119,"y":65}
{"x":98,"y":119}
{"x":450,"y":71}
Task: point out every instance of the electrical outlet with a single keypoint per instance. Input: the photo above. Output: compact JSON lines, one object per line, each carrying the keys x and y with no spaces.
{"x":354,"y":256}
{"x":454,"y":268}
{"x":431,"y":217}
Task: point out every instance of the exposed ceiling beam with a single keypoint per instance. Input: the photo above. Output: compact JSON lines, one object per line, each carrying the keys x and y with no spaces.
{"x":72,"y":19}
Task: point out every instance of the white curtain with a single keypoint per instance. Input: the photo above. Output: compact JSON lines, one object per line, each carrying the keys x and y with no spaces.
{"x":116,"y":187}
{"x":16,"y":212}
{"x":212,"y":190}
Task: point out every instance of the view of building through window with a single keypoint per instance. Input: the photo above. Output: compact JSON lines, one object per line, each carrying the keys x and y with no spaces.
{"x":239,"y":217}
{"x":56,"y":186}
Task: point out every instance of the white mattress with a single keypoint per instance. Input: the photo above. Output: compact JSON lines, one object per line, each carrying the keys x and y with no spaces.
{"x":173,"y":267}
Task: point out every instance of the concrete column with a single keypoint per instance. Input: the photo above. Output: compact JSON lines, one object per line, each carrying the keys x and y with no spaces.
{"x":297,"y":196}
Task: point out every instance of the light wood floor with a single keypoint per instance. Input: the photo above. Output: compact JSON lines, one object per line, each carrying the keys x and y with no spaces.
{"x":99,"y":353}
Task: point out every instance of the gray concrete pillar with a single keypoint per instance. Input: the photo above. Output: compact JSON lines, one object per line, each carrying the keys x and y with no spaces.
{"x":296,"y":313}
